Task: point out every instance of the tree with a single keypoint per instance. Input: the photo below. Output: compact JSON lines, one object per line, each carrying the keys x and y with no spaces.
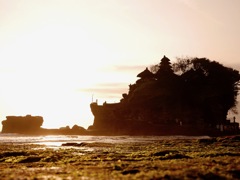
{"x":210,"y":85}
{"x":182,"y":65}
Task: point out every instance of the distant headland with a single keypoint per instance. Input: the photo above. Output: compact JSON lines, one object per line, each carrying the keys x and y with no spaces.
{"x":189,"y":97}
{"x":31,"y":125}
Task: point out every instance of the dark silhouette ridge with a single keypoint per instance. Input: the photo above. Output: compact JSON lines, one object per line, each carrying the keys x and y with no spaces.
{"x":196,"y":102}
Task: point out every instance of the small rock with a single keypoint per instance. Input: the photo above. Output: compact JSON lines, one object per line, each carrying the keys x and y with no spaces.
{"x":132,"y":171}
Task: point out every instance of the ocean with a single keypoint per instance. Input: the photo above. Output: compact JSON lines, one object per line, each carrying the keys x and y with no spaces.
{"x":58,"y":140}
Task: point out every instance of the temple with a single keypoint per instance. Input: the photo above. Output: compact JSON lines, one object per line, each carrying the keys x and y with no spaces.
{"x":162,"y":103}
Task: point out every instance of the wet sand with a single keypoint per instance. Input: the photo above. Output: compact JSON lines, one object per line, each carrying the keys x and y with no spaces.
{"x":206,"y":158}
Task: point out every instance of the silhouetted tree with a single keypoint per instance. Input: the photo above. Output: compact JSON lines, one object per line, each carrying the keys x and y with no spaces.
{"x":210,"y":86}
{"x":154,"y":68}
{"x":182,"y":65}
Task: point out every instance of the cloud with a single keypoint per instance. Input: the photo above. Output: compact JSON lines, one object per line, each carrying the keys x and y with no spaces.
{"x":110,"y":85}
{"x":113,"y":89}
{"x":108,"y":90}
{"x":125,"y":68}
{"x":129,"y":68}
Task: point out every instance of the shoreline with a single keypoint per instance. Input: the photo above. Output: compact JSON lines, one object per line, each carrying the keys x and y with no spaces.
{"x":173,"y":132}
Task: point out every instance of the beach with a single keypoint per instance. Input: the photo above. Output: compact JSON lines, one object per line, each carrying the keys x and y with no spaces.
{"x":119,"y":157}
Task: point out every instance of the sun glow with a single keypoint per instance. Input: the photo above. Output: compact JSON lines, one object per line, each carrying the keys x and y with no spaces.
{"x":48,"y":69}
{"x":49,"y":72}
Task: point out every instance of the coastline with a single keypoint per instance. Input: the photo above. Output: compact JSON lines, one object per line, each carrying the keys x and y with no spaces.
{"x":163,"y":130}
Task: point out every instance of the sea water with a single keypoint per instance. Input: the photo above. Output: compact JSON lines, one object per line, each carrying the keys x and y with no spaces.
{"x":58,"y":140}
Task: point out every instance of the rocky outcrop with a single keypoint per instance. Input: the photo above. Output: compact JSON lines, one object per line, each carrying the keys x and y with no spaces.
{"x":162,"y":103}
{"x":31,"y":125}
{"x":22,"y":124}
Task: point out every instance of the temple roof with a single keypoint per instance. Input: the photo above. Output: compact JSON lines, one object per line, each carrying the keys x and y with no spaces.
{"x":165,"y":60}
{"x":145,"y":74}
{"x":164,"y":67}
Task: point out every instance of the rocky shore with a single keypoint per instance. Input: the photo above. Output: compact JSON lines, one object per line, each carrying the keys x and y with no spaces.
{"x":207,"y":158}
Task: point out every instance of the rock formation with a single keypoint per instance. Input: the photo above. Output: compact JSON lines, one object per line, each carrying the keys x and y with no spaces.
{"x":31,"y":125}
{"x":164,"y":103}
{"x":22,"y":124}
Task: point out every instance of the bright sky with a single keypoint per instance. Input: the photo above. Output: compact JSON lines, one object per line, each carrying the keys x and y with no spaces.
{"x":58,"y":55}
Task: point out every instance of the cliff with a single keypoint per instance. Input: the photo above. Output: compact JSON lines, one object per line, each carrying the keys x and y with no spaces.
{"x":164,"y":103}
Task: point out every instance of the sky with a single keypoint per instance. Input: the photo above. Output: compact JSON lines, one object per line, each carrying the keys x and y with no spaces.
{"x":57,"y":56}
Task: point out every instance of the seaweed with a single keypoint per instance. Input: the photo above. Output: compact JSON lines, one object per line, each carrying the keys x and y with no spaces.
{"x":162,"y":159}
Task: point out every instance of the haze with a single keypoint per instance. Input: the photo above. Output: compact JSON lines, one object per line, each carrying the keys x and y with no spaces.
{"x":57,"y":56}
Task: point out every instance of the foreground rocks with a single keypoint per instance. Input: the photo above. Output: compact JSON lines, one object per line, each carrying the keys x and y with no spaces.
{"x":214,"y":158}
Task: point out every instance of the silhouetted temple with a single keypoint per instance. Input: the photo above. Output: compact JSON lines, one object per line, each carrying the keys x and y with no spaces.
{"x":163,"y":103}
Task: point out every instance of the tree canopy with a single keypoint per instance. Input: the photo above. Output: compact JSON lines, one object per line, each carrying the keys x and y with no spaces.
{"x":210,"y":85}
{"x":192,"y":89}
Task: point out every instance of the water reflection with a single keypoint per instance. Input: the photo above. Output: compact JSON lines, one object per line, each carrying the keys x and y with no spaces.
{"x":58,"y":140}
